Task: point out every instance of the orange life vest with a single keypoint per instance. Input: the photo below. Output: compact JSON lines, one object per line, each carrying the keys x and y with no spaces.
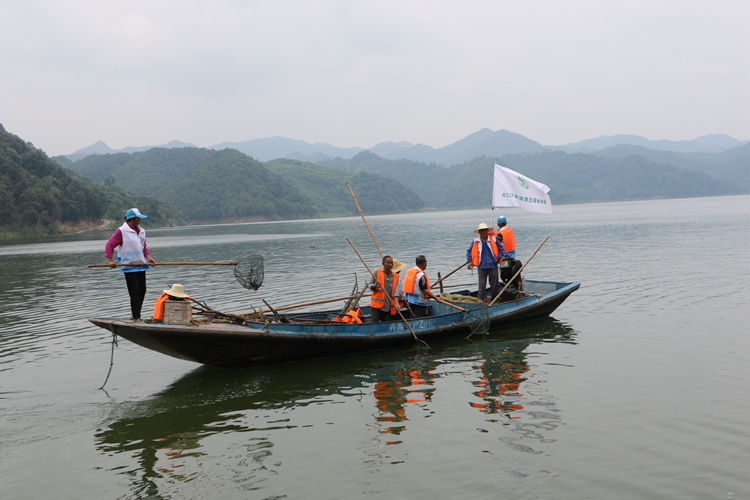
{"x":350,"y":317}
{"x":377,"y":301}
{"x":475,"y":257}
{"x":410,"y":281}
{"x":509,"y":239}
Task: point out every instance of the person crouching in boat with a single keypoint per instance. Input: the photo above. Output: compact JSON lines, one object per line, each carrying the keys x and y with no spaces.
{"x":485,"y":253}
{"x":177,"y":292}
{"x":386,"y":278}
{"x":417,"y":289}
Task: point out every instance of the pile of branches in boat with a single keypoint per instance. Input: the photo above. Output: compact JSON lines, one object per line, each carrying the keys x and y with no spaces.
{"x":202,"y":309}
{"x":351,"y":304}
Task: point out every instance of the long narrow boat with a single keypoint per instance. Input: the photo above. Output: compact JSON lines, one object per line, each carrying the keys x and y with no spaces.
{"x":315,"y":335}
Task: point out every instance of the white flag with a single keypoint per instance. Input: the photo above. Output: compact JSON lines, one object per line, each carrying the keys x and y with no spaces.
{"x":512,"y":189}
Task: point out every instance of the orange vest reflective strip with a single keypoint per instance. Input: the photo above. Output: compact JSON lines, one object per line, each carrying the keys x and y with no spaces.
{"x":411,"y":279}
{"x":159,"y":307}
{"x":509,"y":239}
{"x":377,"y":301}
{"x":475,"y":250}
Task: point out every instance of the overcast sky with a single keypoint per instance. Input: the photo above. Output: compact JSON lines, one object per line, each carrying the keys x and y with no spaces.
{"x":356,"y":73}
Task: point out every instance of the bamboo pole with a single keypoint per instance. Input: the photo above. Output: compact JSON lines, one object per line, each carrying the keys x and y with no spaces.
{"x":315,"y":303}
{"x":365,"y":221}
{"x":452,"y":305}
{"x":440,"y":281}
{"x":517,"y":273}
{"x":219,"y":263}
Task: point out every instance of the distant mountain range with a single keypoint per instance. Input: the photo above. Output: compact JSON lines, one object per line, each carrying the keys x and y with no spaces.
{"x":100,"y":148}
{"x":714,"y":143}
{"x":484,"y":142}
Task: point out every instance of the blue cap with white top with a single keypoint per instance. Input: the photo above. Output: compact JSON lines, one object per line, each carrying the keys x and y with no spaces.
{"x":134,"y":213}
{"x":501,"y":220}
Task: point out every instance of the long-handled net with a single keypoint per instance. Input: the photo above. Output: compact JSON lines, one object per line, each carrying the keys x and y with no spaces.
{"x":249,"y":271}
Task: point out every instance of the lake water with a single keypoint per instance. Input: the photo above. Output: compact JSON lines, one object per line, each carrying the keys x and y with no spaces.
{"x":638,"y":386}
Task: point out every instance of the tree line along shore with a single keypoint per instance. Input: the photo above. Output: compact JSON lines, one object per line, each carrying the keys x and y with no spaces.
{"x":42,"y":196}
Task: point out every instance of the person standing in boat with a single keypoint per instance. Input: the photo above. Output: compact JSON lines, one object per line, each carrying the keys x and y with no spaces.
{"x":386,"y":279}
{"x":509,"y":239}
{"x":417,"y":289}
{"x":485,"y":253}
{"x":130,"y":242}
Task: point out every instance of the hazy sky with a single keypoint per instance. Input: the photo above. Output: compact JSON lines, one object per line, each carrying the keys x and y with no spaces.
{"x":356,"y":73}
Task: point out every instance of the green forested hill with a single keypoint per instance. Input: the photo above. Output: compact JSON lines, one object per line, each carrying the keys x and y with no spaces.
{"x":732,"y":165}
{"x":573,"y":178}
{"x":160,"y":213}
{"x":421,"y":177}
{"x":36,"y":194}
{"x":147,"y":173}
{"x":581,"y":178}
{"x":326,"y":189}
{"x":228,"y":184}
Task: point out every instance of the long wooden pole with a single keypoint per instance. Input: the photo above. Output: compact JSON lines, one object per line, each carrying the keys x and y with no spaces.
{"x":454,"y":306}
{"x":388,"y":295}
{"x":497,"y":297}
{"x":365,"y":221}
{"x":220,"y":263}
{"x":440,"y":281}
{"x":317,"y":302}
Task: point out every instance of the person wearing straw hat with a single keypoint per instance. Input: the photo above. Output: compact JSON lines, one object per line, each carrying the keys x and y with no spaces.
{"x":398,"y":266}
{"x":176,"y":292}
{"x":386,"y":279}
{"x":130,"y":242}
{"x":485,"y":253}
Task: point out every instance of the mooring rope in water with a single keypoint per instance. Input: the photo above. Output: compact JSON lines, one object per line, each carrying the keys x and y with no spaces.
{"x":111,"y":358}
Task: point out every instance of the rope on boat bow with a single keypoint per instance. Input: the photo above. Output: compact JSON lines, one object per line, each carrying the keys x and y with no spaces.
{"x":111,"y":357}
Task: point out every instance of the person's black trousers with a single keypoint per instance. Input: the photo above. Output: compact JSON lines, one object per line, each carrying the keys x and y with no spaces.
{"x":137,"y":289}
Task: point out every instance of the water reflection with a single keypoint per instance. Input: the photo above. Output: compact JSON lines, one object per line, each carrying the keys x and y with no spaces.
{"x":172,"y":436}
{"x":412,"y":384}
{"x":502,"y":374}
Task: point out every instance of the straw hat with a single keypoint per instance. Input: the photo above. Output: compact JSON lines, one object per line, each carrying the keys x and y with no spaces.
{"x":482,"y":226}
{"x":398,"y":266}
{"x":176,"y":291}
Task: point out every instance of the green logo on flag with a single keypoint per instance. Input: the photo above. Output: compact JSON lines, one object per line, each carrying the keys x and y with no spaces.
{"x":523,"y":183}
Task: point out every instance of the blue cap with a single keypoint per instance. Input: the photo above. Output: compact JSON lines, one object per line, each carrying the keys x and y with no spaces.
{"x":501,"y":220}
{"x":133,"y":213}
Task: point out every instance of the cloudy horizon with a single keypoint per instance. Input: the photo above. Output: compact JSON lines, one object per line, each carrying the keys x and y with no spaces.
{"x":135,"y":73}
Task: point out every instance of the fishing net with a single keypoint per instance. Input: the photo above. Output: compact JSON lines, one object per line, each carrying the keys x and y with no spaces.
{"x":476,"y":318}
{"x":249,"y":271}
{"x":480,"y":320}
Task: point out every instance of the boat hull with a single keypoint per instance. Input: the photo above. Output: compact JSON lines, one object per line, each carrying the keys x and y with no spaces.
{"x":237,"y":346}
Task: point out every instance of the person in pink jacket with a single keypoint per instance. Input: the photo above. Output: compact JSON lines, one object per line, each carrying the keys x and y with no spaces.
{"x":130,"y":242}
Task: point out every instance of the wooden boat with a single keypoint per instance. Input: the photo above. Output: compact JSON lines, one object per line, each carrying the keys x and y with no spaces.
{"x":315,"y":335}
